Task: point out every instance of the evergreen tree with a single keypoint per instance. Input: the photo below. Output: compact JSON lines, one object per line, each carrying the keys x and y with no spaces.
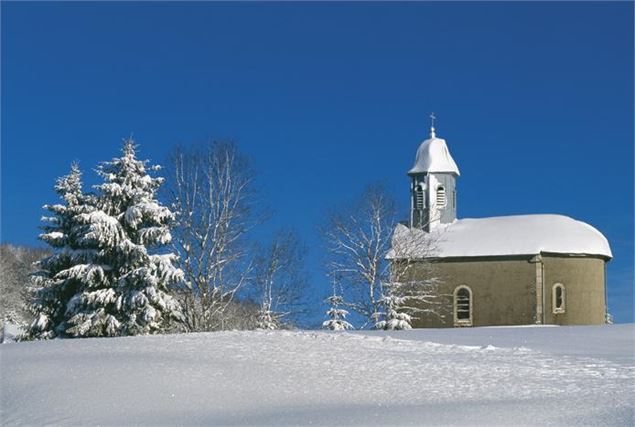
{"x":337,"y":321}
{"x":267,"y":319}
{"x":125,"y":284}
{"x":394,"y":316}
{"x":403,"y":301}
{"x":53,"y":285}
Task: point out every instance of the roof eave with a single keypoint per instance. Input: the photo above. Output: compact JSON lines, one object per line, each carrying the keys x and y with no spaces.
{"x":605,"y":257}
{"x":413,"y":172}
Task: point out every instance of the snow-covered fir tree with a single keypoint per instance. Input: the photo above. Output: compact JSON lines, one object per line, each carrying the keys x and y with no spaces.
{"x":337,"y":316}
{"x":403,"y":300}
{"x":107,"y":276}
{"x":126,"y":283}
{"x":394,"y":316}
{"x":267,"y":319}
{"x":53,"y":285}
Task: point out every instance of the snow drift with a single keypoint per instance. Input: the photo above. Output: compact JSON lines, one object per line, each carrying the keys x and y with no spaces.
{"x":540,"y":375}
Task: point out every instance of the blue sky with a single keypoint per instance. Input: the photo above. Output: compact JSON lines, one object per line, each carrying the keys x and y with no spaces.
{"x":535,"y":101}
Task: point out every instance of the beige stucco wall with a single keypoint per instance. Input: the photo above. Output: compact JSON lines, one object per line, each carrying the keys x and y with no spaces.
{"x":504,"y":289}
{"x":583,"y":279}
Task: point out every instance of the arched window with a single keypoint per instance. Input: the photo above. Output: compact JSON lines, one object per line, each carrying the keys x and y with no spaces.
{"x":462,"y":306}
{"x":558,"y":298}
{"x":441,"y":200}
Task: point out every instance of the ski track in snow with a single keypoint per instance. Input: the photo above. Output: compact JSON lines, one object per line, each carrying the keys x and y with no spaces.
{"x":321,"y":378}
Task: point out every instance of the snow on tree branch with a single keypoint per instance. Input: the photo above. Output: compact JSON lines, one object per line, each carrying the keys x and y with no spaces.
{"x":107,"y":277}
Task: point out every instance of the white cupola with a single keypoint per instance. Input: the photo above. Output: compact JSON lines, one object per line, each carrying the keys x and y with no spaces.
{"x":433,"y":186}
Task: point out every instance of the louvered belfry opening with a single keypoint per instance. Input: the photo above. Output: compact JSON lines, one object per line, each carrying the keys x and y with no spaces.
{"x":420,"y":197}
{"x":441,"y":196}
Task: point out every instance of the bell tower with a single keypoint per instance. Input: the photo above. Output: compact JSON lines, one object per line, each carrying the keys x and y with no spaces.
{"x":433,"y":184}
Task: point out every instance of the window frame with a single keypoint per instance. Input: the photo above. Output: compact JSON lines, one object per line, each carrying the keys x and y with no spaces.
{"x":554,"y":302}
{"x":463,"y":322}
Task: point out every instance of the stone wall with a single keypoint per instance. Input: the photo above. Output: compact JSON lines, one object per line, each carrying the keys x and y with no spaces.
{"x":504,"y":289}
{"x":583,"y":280}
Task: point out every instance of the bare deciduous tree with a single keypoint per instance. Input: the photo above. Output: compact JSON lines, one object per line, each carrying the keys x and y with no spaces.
{"x":16,"y":265}
{"x":413,"y":286}
{"x":359,"y":242}
{"x":210,"y":189}
{"x":280,"y":280}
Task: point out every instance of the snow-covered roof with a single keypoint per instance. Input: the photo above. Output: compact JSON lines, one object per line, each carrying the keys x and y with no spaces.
{"x":433,"y":156}
{"x":506,"y":235}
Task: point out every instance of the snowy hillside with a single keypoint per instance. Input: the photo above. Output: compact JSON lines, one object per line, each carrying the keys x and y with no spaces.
{"x":548,"y":375}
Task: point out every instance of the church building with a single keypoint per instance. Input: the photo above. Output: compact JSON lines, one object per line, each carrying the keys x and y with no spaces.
{"x":508,"y":270}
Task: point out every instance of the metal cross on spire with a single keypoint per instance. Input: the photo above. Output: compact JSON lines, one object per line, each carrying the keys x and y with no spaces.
{"x":432,"y":119}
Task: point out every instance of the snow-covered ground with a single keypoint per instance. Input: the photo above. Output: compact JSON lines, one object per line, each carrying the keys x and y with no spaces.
{"x":502,"y":376}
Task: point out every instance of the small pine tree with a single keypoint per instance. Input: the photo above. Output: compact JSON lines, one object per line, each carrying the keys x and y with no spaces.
{"x":125,"y":283}
{"x":337,"y":321}
{"x":53,"y":285}
{"x":394,"y":317}
{"x":403,"y":300}
{"x":267,"y":319}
